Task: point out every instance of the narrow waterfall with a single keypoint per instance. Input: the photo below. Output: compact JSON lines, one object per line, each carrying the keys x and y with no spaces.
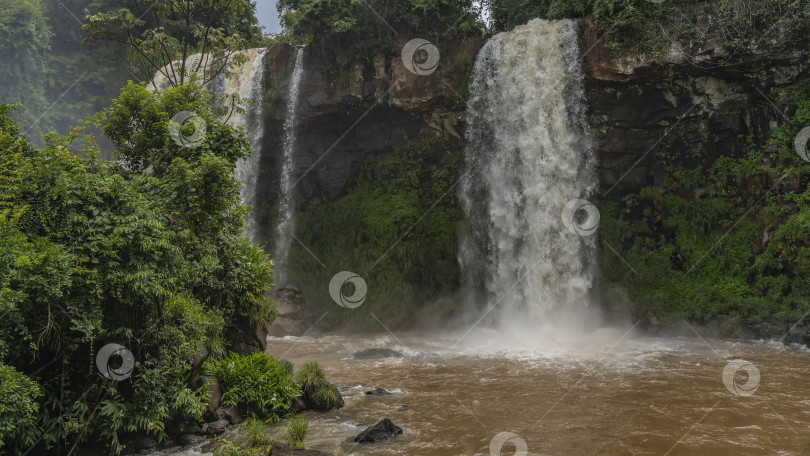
{"x":283,"y":233}
{"x":528,"y":155}
{"x":246,"y":81}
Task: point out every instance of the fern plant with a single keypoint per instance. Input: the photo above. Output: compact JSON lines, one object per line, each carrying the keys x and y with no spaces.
{"x":256,"y":382}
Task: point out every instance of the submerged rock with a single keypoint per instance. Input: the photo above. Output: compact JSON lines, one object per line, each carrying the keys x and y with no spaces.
{"x":380,"y":432}
{"x":378,"y":392}
{"x":376,"y":353}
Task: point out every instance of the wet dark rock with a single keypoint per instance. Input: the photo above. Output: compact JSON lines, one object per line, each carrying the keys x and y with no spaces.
{"x":145,"y":443}
{"x":378,"y":392}
{"x":376,"y":353}
{"x":380,"y":432}
{"x":280,"y":449}
{"x":229,"y":413}
{"x":214,"y":392}
{"x":298,"y":404}
{"x":215,"y":428}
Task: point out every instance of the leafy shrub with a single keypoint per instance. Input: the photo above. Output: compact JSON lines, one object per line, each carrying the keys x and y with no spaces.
{"x":319,"y":394}
{"x":256,"y":382}
{"x":18,"y":408}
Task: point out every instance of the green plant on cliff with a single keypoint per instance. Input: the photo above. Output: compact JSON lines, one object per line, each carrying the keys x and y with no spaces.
{"x":346,"y":31}
{"x":728,"y":245}
{"x":396,"y":227}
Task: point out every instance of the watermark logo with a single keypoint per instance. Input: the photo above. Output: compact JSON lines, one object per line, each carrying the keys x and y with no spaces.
{"x":801,"y":144}
{"x":497,"y":443}
{"x":336,"y":289}
{"x":581,"y":217}
{"x":180,"y":120}
{"x":121,"y":372}
{"x":730,"y":371}
{"x":420,"y":56}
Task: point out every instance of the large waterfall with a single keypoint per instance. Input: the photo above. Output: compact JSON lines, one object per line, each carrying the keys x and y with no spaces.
{"x":283,"y":233}
{"x":528,"y":155}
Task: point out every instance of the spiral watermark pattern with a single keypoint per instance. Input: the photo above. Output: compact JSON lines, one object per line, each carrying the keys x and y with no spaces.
{"x":420,"y":56}
{"x":181,"y":119}
{"x":122,"y":372}
{"x":801,"y":144}
{"x":497,"y":443}
{"x":751,"y":385}
{"x":581,"y":217}
{"x":336,"y":289}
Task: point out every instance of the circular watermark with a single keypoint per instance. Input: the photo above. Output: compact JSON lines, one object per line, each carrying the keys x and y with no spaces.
{"x":730,"y":371}
{"x":428,"y":370}
{"x":121,"y":372}
{"x":801,"y":144}
{"x":336,"y":289}
{"x":180,"y":120}
{"x":420,"y":56}
{"x":581,"y":217}
{"x":497,"y":443}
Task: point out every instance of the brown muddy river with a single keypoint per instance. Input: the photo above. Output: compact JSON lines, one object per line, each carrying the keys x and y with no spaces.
{"x":610,"y":393}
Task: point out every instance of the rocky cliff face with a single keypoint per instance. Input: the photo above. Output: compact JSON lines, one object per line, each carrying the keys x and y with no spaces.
{"x":691,"y":105}
{"x":639,"y":109}
{"x":350,"y":120}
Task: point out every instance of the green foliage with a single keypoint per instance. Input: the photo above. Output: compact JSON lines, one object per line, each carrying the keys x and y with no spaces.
{"x":18,"y":408}
{"x":723,"y":242}
{"x":297,"y":431}
{"x":94,"y":252}
{"x":397,"y":228}
{"x":310,"y":376}
{"x":24,"y":46}
{"x":348,"y":31}
{"x":744,"y":27}
{"x":256,"y":382}
{"x":175,"y":30}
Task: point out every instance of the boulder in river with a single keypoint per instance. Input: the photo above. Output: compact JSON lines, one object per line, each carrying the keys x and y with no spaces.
{"x":215,"y":428}
{"x":380,"y":432}
{"x":376,"y":353}
{"x":229,"y":413}
{"x":378,"y":392}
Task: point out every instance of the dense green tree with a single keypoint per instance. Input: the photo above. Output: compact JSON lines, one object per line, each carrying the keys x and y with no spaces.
{"x":147,"y":252}
{"x":158,"y":32}
{"x":24,"y":46}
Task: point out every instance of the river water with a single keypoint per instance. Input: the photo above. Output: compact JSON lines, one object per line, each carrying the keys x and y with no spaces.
{"x":608,"y":393}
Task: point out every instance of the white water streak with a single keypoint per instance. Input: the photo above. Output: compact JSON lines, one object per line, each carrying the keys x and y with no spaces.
{"x":283,"y":234}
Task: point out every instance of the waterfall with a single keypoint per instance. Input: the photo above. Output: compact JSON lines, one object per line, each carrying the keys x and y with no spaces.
{"x":246,"y":81}
{"x":283,"y":234}
{"x":528,"y":155}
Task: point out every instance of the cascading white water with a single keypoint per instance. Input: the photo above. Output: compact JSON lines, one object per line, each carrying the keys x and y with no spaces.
{"x":528,"y":154}
{"x":246,"y":81}
{"x":283,"y":233}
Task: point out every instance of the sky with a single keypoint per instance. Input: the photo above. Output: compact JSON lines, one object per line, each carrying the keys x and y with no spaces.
{"x":268,"y":16}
